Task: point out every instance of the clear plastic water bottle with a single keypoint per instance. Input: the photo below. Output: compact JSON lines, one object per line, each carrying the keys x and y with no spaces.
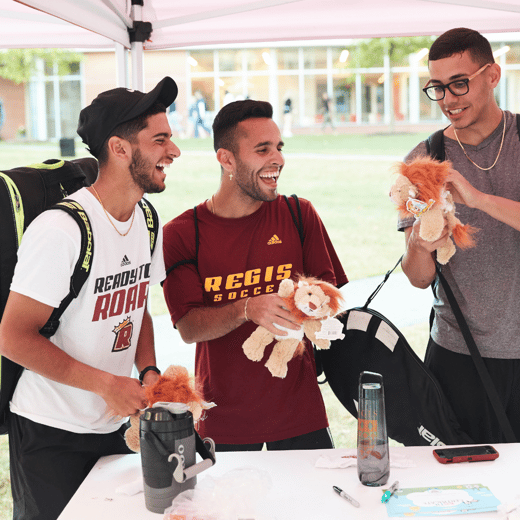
{"x":373,"y":460}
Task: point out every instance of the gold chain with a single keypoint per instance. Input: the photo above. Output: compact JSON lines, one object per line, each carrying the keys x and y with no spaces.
{"x":108,"y":216}
{"x":501,"y":144}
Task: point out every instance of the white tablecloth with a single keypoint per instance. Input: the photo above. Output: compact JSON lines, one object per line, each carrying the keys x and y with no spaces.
{"x":300,"y":491}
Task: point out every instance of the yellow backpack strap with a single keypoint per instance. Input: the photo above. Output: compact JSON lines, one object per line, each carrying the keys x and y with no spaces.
{"x":152,"y":222}
{"x":16,"y":206}
{"x":82,"y":267}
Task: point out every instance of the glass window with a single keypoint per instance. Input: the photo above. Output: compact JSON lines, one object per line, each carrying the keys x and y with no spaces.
{"x":201,"y":61}
{"x":205,"y":87}
{"x":344,"y":100}
{"x":287,"y":59}
{"x":372,"y":100}
{"x":315,"y":58}
{"x":258,"y":59}
{"x":315,"y":87}
{"x":230,"y":89}
{"x":230,"y":60}
{"x":73,"y":67}
{"x":339,"y":57}
{"x":50,"y":110}
{"x":258,"y":87}
{"x":70,"y":107}
{"x":48,"y":68}
{"x":512,"y":78}
{"x":513,"y":55}
{"x":428,"y":110}
{"x":288,"y":101}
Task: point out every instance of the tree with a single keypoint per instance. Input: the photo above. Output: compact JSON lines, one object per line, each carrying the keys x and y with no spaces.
{"x":371,"y":53}
{"x":19,"y":65}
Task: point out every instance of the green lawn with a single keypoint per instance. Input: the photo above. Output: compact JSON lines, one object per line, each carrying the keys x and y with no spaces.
{"x":350,"y":194}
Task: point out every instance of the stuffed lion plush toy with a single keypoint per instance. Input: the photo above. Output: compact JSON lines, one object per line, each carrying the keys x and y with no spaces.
{"x":419,"y":190}
{"x":313,"y":303}
{"x":174,"y":386}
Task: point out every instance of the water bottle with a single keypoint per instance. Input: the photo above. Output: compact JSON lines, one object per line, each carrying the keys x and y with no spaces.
{"x":169,"y":444}
{"x":373,"y":460}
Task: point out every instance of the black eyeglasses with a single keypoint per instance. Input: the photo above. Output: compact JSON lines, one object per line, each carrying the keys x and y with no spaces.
{"x":459,"y":87}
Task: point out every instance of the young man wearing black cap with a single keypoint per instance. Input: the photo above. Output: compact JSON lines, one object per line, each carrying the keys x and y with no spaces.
{"x":71,"y":403}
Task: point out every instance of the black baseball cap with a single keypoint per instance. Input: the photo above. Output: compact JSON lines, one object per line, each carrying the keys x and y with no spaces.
{"x":119,"y":105}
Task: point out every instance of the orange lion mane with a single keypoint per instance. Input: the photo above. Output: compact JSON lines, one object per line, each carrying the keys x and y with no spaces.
{"x":427,"y":175}
{"x":336,"y":298}
{"x":175,"y":386}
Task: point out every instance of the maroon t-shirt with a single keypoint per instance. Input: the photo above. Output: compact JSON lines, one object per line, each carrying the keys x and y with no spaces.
{"x":238,"y":258}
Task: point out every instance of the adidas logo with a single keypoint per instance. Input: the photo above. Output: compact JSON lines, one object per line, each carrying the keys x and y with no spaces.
{"x":125,"y":261}
{"x":274,"y":240}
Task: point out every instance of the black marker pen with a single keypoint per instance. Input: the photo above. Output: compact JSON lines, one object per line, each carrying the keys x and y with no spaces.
{"x":342,"y":493}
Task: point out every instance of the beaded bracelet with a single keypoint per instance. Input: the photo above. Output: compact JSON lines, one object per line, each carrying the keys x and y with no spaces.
{"x":245,"y":309}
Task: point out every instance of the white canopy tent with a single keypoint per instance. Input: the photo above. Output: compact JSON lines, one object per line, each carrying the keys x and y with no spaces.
{"x":175,"y":23}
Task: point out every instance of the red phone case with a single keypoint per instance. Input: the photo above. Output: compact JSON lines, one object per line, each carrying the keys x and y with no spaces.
{"x":466,"y":457}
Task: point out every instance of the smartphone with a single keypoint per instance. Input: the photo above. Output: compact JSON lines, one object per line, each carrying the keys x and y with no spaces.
{"x":465,"y":454}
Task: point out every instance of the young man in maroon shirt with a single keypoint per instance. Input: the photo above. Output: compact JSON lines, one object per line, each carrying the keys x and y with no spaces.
{"x":247,"y":242}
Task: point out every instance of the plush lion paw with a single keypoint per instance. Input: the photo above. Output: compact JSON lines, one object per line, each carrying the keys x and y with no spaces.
{"x":132,"y":434}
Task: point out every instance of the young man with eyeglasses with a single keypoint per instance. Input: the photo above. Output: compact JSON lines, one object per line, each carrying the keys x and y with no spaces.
{"x":483,"y":146}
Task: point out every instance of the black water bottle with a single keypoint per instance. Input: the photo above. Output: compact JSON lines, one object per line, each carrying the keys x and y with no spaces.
{"x":169,"y":444}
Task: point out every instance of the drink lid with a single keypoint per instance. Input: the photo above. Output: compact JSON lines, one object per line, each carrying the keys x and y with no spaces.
{"x":371,"y":391}
{"x":176,"y":408}
{"x":371,"y":386}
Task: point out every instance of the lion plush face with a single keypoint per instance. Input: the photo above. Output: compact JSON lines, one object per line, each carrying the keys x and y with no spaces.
{"x":311,"y":300}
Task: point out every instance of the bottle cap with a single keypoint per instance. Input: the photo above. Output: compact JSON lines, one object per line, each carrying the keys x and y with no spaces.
{"x":371,"y":390}
{"x":175,"y":408}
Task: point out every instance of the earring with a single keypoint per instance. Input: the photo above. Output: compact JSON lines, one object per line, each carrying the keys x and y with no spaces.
{"x":230,"y":176}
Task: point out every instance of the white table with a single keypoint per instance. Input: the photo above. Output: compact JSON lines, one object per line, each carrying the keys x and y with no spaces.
{"x":300,"y":491}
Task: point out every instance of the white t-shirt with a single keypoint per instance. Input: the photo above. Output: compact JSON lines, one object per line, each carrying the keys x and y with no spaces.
{"x":101,"y":326}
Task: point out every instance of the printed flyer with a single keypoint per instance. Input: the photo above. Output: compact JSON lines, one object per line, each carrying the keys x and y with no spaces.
{"x":442,"y":500}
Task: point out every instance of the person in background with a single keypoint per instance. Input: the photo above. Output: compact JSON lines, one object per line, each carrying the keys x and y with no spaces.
{"x":326,"y":109}
{"x":287,"y":118}
{"x":200,"y":115}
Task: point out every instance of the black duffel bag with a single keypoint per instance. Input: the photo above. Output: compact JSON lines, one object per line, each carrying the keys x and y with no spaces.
{"x":417,"y":411}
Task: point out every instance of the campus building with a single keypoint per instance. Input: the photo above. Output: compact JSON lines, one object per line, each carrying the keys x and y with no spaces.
{"x":363,"y":99}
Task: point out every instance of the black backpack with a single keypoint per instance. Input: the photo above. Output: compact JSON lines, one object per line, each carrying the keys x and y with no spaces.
{"x":25,"y":192}
{"x":417,"y":411}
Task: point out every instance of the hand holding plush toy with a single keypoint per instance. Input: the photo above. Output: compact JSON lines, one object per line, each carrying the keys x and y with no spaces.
{"x":313,"y":303}
{"x":174,"y":386}
{"x":420,"y":190}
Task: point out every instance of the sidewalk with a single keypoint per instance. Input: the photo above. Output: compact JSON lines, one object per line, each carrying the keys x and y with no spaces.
{"x":398,"y":300}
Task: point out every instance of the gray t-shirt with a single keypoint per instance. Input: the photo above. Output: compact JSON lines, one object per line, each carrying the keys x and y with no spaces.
{"x":486,"y":278}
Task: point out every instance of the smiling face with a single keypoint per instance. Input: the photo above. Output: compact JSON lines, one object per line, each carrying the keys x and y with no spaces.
{"x":152,"y":152}
{"x":258,"y":158}
{"x":473,"y":108}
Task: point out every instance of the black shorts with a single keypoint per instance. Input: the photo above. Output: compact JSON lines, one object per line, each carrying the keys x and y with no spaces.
{"x":320,"y":439}
{"x":48,"y":465}
{"x":465,"y":392}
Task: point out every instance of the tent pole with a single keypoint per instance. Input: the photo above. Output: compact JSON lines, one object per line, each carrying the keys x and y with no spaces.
{"x":137,"y":39}
{"x":122,"y":66}
{"x":137,"y":66}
